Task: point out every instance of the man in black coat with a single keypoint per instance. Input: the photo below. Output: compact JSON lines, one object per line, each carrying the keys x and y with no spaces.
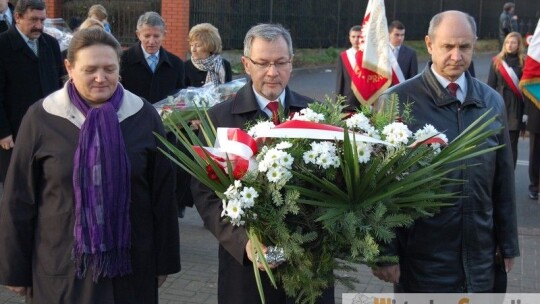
{"x":267,"y":60}
{"x":147,"y":69}
{"x":6,"y":15}
{"x":455,"y":250}
{"x":25,"y":76}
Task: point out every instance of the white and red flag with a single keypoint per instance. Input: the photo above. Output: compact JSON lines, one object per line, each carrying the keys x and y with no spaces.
{"x":374,"y":70}
{"x":530,"y":80}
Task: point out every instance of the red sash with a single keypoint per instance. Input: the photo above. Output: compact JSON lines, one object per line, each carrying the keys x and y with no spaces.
{"x":354,"y":73}
{"x":510,"y":77}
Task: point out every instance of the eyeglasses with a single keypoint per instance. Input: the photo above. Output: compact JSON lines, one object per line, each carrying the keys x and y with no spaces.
{"x":263,"y":66}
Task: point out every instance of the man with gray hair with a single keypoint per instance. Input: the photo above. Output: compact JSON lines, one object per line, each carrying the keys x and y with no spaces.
{"x":267,"y":59}
{"x":147,"y":69}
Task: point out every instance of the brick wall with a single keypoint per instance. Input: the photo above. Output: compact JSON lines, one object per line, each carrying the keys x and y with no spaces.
{"x":175,"y":13}
{"x":54,"y":8}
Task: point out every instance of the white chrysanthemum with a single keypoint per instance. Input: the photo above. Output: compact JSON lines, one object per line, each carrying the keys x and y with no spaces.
{"x":358,"y":121}
{"x":248,"y":196}
{"x":426,"y":132}
{"x":308,"y":114}
{"x":310,"y":157}
{"x":364,"y":152}
{"x":397,"y":133}
{"x":283,"y":145}
{"x":232,"y":192}
{"x":372,"y":132}
{"x":274,"y":175}
{"x":237,"y":184}
{"x":260,"y":127}
{"x":286,"y":161}
{"x":234,"y":212}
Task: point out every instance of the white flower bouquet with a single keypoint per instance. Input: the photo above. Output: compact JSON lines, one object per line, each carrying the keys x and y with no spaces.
{"x":58,"y":28}
{"x":186,"y":103}
{"x":324,"y":189}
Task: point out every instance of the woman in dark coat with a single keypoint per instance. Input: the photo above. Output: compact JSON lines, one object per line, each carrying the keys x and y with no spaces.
{"x":88,"y":212}
{"x":504,"y":76}
{"x":206,"y":64}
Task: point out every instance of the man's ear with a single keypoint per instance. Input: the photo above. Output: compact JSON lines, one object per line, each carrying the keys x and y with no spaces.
{"x":245,"y":62}
{"x":429,"y":44}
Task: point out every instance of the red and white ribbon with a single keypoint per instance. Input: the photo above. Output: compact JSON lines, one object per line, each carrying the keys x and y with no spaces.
{"x":314,"y":130}
{"x":240,"y":148}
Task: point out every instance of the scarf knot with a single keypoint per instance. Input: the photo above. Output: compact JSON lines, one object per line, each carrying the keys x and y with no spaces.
{"x":214,"y":66}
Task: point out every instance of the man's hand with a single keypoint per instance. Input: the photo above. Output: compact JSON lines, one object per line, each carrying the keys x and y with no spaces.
{"x":251,"y":257}
{"x":387,"y":273}
{"x":21,"y":291}
{"x":7,"y":143}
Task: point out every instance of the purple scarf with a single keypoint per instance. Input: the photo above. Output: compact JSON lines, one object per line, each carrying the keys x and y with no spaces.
{"x":102,"y":190}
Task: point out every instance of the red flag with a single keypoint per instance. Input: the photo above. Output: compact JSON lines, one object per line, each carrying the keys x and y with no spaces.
{"x":373,"y":71}
{"x":530,"y":80}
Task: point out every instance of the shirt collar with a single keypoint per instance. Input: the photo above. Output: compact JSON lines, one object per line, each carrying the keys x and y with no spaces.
{"x":146,"y":55}
{"x":461,"y":81}
{"x":26,"y":39}
{"x":263,"y":102}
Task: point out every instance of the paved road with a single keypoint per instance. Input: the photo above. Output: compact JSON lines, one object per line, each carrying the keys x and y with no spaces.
{"x":197,"y":282}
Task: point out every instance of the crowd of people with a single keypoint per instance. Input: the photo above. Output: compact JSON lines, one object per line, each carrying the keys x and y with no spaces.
{"x":90,"y":206}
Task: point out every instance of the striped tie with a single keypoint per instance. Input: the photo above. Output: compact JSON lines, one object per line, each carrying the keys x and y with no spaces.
{"x":33,"y":46}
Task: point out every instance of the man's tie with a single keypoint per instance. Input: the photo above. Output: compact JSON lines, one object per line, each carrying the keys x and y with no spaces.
{"x":274,"y":107}
{"x":452,"y":88}
{"x":396,"y":51}
{"x":33,"y":46}
{"x":5,"y":19}
{"x":153,"y":62}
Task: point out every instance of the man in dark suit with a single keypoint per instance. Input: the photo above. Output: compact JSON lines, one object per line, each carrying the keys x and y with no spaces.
{"x":6,"y":15}
{"x":25,"y":75}
{"x":267,"y":60}
{"x":147,"y":69}
{"x":406,"y":57}
{"x":344,"y":70}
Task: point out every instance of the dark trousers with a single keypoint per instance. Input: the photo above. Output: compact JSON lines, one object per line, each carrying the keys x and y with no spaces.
{"x":514,"y":138}
{"x":534,"y":161}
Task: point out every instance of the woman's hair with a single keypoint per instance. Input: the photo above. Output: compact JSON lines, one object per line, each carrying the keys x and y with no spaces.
{"x":88,"y":37}
{"x":97,"y":11}
{"x":503,"y":54}
{"x":91,"y":23}
{"x":208,"y":36}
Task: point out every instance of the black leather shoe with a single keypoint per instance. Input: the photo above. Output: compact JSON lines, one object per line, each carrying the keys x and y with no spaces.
{"x":533,"y":195}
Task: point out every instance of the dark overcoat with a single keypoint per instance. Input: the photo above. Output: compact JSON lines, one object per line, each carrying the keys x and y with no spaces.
{"x":24,"y":79}
{"x":37,"y":208}
{"x":138,"y":78}
{"x":408,"y":61}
